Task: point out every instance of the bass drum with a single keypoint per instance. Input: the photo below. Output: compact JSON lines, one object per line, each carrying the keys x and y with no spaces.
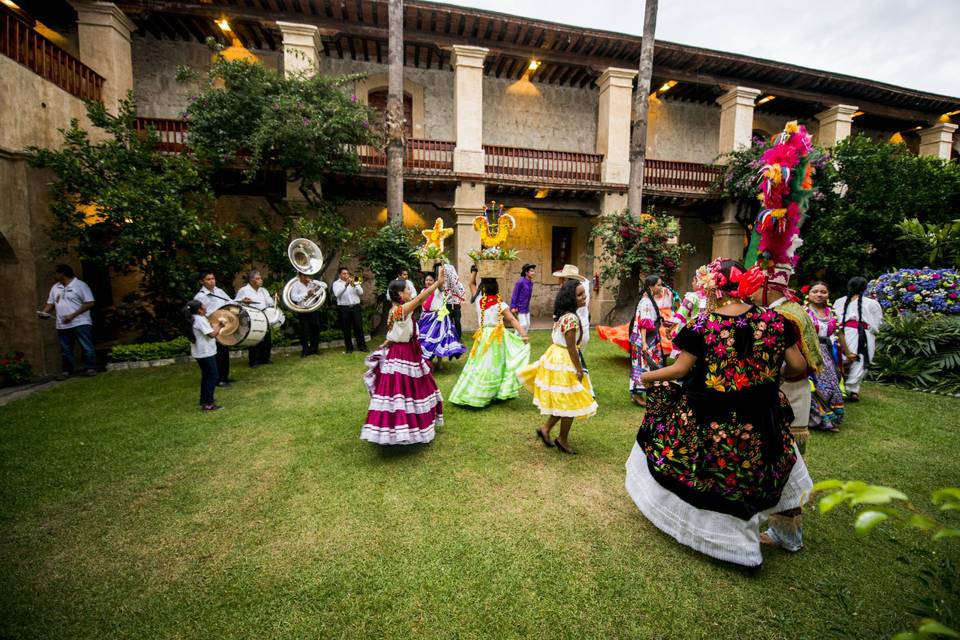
{"x":242,"y":326}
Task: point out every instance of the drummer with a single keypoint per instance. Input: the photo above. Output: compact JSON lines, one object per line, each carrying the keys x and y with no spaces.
{"x":213,"y":297}
{"x":256,"y":295}
{"x":305,"y":290}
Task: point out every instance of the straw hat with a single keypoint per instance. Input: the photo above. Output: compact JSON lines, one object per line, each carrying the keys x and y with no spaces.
{"x":569,"y":271}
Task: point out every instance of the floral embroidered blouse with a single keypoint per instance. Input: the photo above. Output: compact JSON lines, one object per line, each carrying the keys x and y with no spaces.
{"x":736,"y":352}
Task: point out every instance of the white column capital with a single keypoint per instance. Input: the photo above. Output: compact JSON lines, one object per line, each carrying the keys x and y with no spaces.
{"x":468,"y":56}
{"x":837,"y":113}
{"x":300,"y":35}
{"x":738,"y":97}
{"x":616,"y":77}
{"x":103,"y":14}
{"x":937,"y":140}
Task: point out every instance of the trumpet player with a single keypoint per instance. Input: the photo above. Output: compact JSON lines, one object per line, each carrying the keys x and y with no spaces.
{"x":303,"y":293}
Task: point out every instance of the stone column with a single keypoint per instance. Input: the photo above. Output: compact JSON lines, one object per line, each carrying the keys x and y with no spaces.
{"x":736,"y":117}
{"x":468,"y":202}
{"x":736,"y":129}
{"x":835,"y":124}
{"x":468,"y":109}
{"x":613,"y":123}
{"x":937,"y":141}
{"x":301,"y":43}
{"x":104,"y":34}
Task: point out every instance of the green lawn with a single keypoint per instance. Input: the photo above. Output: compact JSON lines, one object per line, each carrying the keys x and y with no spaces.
{"x":125,"y":512}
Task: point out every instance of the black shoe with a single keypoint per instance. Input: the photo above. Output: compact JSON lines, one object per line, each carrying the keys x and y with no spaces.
{"x":564,"y":449}
{"x":90,"y":373}
{"x":212,"y":407}
{"x":223,"y":384}
{"x":63,"y":376}
{"x":546,"y":441}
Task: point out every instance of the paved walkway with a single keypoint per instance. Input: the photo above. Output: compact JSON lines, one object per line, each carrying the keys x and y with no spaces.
{"x":12,"y":394}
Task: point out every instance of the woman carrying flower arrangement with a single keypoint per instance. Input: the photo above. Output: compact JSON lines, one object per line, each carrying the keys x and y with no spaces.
{"x":826,"y":410}
{"x":559,"y":382}
{"x":715,"y":459}
{"x":437,"y":335}
{"x":860,"y":318}
{"x":496,"y":355}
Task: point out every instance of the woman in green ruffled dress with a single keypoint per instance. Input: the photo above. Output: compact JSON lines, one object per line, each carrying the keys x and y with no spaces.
{"x":490,"y":372}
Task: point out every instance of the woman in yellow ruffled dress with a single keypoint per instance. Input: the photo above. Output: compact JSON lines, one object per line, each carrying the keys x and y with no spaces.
{"x":559,"y":382}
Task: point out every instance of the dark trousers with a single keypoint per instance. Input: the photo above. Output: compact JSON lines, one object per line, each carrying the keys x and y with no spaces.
{"x":309,"y":332}
{"x":260,"y":352}
{"x":223,"y":363}
{"x":208,"y":378}
{"x":82,"y":334}
{"x":455,"y":317}
{"x":351,"y":322}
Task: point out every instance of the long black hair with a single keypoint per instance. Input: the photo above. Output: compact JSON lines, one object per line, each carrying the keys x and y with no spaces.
{"x":189,"y":310}
{"x":489,"y":286}
{"x":857,"y":286}
{"x":566,"y":300}
{"x":649,"y":282}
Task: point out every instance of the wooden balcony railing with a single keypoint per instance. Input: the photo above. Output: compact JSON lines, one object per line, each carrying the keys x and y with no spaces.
{"x":173,"y":133}
{"x":20,"y":42}
{"x":420,"y":157}
{"x":550,"y":167}
{"x":535,"y":167}
{"x":686,"y":177}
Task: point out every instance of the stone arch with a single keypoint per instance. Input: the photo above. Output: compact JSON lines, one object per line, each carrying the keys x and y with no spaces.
{"x":415,"y":90}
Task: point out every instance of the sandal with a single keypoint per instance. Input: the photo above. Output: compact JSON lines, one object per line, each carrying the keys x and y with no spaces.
{"x":853,"y":397}
{"x":546,"y":440}
{"x":564,"y":449}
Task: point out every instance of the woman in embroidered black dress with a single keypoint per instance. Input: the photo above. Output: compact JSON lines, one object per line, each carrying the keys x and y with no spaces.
{"x":715,"y":459}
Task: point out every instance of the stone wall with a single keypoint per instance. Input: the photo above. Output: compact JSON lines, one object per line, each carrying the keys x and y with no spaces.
{"x":155,"y":63}
{"x":683,"y":131}
{"x":437,"y":85}
{"x":539,"y":116}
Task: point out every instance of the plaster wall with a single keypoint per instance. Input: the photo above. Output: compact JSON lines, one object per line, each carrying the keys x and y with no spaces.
{"x":683,"y":131}
{"x":33,"y":109}
{"x":155,"y":63}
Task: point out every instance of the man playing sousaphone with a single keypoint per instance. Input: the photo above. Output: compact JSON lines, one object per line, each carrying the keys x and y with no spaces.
{"x":257,"y":296}
{"x":304,"y":293}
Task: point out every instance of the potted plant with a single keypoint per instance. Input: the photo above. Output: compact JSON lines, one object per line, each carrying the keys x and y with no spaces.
{"x":429,"y":256}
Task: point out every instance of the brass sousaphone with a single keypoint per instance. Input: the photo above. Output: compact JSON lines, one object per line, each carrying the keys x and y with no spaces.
{"x":305,"y":256}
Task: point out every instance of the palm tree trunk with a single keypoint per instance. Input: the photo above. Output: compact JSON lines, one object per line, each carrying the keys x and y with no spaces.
{"x":394,"y":115}
{"x":638,"y":123}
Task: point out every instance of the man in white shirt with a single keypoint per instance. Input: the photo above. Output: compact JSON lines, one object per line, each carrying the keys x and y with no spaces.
{"x":305,"y":292}
{"x":404,"y":275}
{"x":72,"y":300}
{"x":213,"y":297}
{"x":347,"y":294}
{"x":256,"y":295}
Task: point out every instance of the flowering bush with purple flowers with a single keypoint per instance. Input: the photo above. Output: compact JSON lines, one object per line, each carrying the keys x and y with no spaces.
{"x":923,"y":291}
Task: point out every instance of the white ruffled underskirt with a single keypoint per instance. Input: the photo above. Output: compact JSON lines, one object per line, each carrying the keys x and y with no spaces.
{"x":398,"y":435}
{"x":717,"y":535}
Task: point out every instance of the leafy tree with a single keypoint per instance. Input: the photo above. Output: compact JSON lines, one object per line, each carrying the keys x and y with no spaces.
{"x":305,"y":127}
{"x":388,"y":251}
{"x":120,"y":203}
{"x":941,"y":240}
{"x":857,"y":233}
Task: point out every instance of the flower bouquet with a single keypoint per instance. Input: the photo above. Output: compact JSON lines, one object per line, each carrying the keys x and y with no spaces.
{"x":923,"y":291}
{"x":493,"y":262}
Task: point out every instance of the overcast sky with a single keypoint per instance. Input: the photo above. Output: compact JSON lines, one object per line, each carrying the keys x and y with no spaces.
{"x":910,"y":43}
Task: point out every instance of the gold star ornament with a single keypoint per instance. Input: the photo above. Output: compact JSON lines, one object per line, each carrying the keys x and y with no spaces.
{"x":436,"y":236}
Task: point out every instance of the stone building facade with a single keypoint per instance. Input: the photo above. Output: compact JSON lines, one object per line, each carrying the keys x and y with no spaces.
{"x":532,"y":114}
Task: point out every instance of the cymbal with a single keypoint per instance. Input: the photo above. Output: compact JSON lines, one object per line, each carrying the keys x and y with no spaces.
{"x":231,"y":321}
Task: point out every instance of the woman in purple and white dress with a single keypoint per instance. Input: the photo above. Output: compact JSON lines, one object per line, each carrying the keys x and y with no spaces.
{"x":437,"y":335}
{"x":405,"y":403}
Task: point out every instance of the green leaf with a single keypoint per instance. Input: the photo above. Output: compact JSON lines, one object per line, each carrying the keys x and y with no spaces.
{"x":947,"y":494}
{"x":935,"y":628}
{"x":906,"y":635}
{"x":867,"y":520}
{"x":924,"y":523}
{"x":830,"y":501}
{"x":875,"y":494}
{"x":947,"y":532}
{"x":823,"y":485}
